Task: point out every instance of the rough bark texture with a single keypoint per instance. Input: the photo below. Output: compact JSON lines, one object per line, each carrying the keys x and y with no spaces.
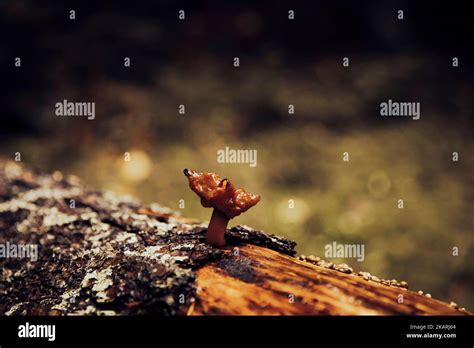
{"x":99,"y":253}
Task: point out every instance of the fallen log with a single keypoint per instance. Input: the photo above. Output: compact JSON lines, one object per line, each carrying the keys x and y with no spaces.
{"x":101,"y":254}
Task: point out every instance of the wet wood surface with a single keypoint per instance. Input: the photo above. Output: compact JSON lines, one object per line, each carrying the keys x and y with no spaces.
{"x":256,"y":281}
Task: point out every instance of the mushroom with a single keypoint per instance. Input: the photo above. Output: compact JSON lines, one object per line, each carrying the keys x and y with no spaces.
{"x":220,"y":194}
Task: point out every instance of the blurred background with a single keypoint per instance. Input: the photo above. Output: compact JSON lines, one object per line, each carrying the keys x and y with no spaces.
{"x":282,"y":62}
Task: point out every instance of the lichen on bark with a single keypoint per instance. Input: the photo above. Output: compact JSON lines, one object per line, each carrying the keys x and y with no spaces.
{"x":99,"y":253}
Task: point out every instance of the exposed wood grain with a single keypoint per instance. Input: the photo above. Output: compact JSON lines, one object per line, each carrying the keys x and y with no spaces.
{"x":259,"y":281}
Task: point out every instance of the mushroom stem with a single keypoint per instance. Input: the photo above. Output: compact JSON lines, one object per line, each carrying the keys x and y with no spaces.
{"x":216,"y":229}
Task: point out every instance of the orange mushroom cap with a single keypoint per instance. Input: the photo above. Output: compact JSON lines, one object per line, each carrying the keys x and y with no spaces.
{"x":220,"y":194}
